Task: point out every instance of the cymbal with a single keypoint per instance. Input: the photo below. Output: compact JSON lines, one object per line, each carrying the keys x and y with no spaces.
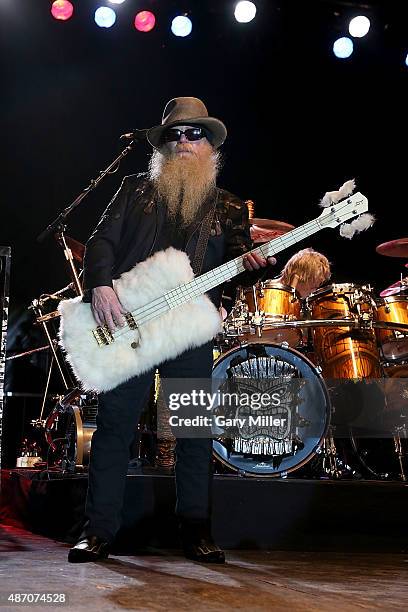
{"x":263,"y":230}
{"x":394,"y":248}
{"x":394,"y":289}
{"x":77,"y":248}
{"x":271,"y":224}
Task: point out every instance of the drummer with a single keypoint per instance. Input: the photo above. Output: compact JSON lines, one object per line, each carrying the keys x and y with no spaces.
{"x":306,"y":271}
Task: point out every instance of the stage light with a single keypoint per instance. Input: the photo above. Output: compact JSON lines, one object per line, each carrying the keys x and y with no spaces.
{"x":343,"y":47}
{"x":62,"y":9}
{"x":245,"y":11}
{"x":145,"y":21}
{"x":406,"y":60}
{"x":359,"y":26}
{"x":105,"y":17}
{"x":116,"y":1}
{"x":181,"y":26}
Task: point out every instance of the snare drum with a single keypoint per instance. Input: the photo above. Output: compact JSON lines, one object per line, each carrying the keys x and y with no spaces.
{"x":271,"y":302}
{"x":344,"y":352}
{"x":394,"y":344}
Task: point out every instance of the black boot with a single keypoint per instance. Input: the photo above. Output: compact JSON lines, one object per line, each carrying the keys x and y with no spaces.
{"x":89,"y":548}
{"x":197,"y":542}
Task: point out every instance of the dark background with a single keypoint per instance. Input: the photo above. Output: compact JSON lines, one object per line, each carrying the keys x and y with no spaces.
{"x":300,"y":122}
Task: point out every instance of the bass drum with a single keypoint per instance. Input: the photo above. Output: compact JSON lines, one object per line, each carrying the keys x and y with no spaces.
{"x":263,"y":449}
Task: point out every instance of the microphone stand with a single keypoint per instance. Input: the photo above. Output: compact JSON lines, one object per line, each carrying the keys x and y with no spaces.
{"x":59,"y":223}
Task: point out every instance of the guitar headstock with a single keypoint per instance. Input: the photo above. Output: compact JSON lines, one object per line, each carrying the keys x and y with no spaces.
{"x":335,"y":215}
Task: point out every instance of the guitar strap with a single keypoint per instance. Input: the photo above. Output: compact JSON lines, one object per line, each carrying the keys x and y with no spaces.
{"x":203,"y":238}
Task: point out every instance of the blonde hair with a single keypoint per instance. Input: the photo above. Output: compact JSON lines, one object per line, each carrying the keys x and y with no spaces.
{"x":309,"y":265}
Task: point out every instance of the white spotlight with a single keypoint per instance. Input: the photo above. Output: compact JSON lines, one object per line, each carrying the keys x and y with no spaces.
{"x":245,"y":11}
{"x":359,"y":26}
{"x":406,"y":60}
{"x":105,"y":17}
{"x":181,"y":26}
{"x":343,"y":47}
{"x":116,"y":1}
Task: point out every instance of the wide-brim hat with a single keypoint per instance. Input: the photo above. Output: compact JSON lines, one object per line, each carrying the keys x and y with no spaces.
{"x":188,"y":111}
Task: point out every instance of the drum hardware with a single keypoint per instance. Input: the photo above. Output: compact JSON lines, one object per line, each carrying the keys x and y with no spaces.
{"x":352,"y":323}
{"x":399,"y":450}
{"x":329,"y":462}
{"x":329,"y":458}
{"x":365,"y":456}
{"x":69,"y":429}
{"x":36,"y":306}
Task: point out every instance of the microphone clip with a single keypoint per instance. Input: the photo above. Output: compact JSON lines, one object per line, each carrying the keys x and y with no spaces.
{"x":135,"y":135}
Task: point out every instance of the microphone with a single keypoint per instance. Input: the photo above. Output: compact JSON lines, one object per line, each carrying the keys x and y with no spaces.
{"x":135,"y":135}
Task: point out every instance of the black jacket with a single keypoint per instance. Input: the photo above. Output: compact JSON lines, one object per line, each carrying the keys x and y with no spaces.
{"x":133,"y":227}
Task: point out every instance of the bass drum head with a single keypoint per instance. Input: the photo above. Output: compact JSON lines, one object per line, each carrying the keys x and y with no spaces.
{"x":270,"y":452}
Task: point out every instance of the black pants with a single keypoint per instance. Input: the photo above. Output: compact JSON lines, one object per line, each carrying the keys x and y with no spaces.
{"x":118,"y":415}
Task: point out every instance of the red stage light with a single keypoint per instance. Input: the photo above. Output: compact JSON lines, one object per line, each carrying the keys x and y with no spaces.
{"x":62,"y":9}
{"x":145,"y":21}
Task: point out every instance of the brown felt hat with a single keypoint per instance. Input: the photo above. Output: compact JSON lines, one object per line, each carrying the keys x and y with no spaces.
{"x":188,"y":111}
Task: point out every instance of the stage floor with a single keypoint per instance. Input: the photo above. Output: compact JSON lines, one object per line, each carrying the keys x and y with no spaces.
{"x":251,"y":514}
{"x":164,"y":580}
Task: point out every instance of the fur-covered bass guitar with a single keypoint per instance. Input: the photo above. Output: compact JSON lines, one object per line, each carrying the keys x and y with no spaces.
{"x":167,"y":309}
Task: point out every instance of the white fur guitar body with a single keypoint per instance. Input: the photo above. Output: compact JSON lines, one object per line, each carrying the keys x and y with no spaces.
{"x":168,"y":311}
{"x":191,"y":324}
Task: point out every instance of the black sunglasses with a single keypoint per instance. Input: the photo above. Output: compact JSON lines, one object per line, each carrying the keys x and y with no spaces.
{"x":174,"y":134}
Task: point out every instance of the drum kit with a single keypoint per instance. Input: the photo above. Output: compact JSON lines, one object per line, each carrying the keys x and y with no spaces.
{"x":346,"y":342}
{"x":341,"y":332}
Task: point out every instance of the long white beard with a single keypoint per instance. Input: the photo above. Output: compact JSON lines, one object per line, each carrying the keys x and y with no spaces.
{"x":184,"y":183}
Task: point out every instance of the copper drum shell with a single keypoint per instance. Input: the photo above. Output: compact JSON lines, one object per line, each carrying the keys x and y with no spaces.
{"x":279,"y":303}
{"x":394,"y":344}
{"x":343,"y":352}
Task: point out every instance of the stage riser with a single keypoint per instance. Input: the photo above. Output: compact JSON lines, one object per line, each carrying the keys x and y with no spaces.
{"x":248,"y":513}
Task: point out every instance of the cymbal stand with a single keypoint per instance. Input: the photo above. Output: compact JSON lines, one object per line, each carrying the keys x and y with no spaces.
{"x":399,"y":450}
{"x":36,"y":306}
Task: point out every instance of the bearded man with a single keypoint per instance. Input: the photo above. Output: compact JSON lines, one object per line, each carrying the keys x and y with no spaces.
{"x":178,"y":204}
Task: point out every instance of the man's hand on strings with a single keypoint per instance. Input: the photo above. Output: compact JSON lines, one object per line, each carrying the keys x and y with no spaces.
{"x":253,"y":261}
{"x":106,"y":308}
